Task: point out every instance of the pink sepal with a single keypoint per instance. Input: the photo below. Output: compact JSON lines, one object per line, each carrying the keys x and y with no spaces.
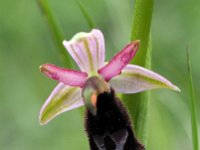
{"x":119,"y":61}
{"x":66,"y":76}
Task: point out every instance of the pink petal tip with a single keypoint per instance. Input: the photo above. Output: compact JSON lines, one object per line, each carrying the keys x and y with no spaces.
{"x":66,"y":76}
{"x":119,"y":61}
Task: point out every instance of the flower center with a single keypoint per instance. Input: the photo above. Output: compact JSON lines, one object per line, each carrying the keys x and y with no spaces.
{"x":94,"y":86}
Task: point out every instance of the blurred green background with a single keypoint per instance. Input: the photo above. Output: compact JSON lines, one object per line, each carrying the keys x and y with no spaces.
{"x":26,"y":43}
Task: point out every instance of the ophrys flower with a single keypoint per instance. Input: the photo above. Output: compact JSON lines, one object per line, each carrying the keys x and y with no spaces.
{"x":88,"y":51}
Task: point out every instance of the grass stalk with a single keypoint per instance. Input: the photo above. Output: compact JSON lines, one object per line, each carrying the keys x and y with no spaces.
{"x":138,"y":103}
{"x":86,"y":15}
{"x":56,"y":31}
{"x":192,"y":106}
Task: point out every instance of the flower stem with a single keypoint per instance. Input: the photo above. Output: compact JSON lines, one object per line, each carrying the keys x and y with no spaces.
{"x":138,"y":103}
{"x":56,"y":31}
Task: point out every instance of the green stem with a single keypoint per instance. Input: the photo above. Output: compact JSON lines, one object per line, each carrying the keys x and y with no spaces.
{"x":193,"y":108}
{"x":138,"y":103}
{"x":86,"y":15}
{"x":57,"y":33}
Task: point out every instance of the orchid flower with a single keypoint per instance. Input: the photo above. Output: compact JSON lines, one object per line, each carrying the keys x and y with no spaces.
{"x":88,"y":51}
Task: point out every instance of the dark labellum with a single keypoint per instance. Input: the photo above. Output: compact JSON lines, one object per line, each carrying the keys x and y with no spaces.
{"x":110,"y":128}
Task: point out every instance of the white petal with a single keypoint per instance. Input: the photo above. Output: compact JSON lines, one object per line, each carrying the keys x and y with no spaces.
{"x":87,"y":50}
{"x":63,"y":98}
{"x":135,"y":79}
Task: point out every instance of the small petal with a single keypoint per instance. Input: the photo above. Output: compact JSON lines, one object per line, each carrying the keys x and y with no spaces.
{"x":135,"y":79}
{"x":119,"y":61}
{"x":88,"y":50}
{"x":67,"y":76}
{"x":63,"y":98}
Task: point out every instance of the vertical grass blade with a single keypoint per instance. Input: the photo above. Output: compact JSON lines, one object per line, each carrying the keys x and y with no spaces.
{"x":192,"y":106}
{"x":142,"y":15}
{"x":86,"y":15}
{"x":138,"y":103}
{"x":55,"y":29}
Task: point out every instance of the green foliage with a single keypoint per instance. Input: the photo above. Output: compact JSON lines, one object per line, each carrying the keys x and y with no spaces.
{"x":85,"y":13}
{"x":193,"y":106}
{"x":138,"y":103}
{"x":55,"y":29}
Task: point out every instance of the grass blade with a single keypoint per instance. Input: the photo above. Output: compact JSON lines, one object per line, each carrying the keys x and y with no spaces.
{"x":86,"y":15}
{"x":57,"y":33}
{"x":193,"y":106}
{"x":138,"y":103}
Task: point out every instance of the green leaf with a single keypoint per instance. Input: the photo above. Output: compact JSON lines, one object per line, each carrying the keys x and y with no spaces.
{"x":138,"y":103}
{"x":193,"y":104}
{"x":56,"y":31}
{"x":86,"y":15}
